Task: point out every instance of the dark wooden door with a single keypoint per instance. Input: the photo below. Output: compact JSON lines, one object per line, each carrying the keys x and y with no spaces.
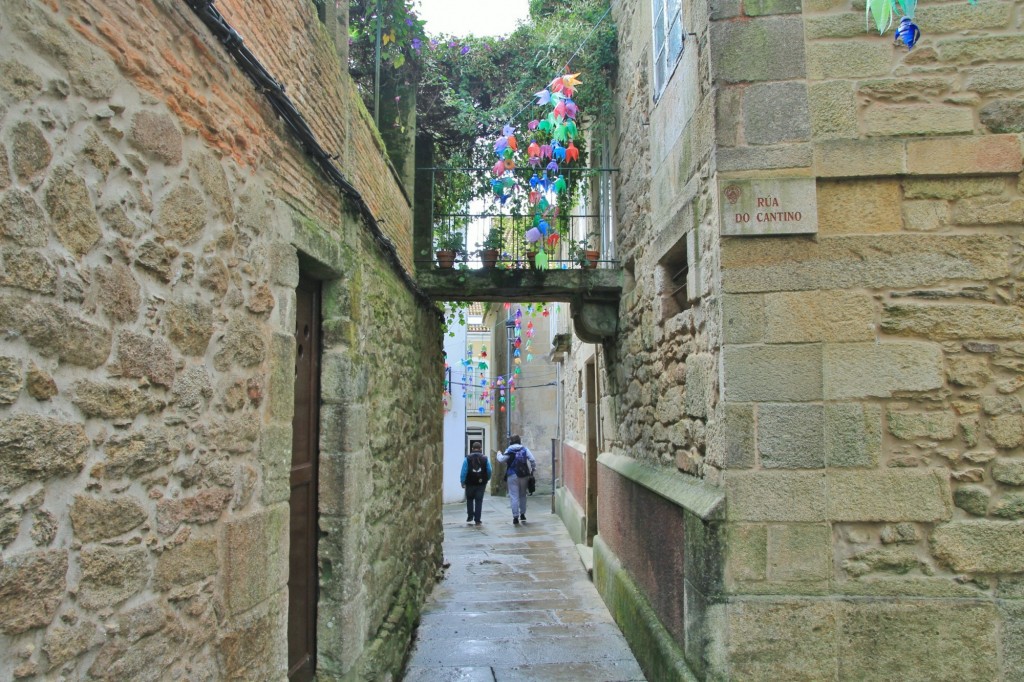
{"x":302,"y":563}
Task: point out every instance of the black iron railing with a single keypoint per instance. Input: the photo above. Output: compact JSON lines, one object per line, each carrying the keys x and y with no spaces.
{"x":515,"y":217}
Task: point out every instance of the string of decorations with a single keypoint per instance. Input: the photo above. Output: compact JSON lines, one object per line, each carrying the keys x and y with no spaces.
{"x":487,"y":391}
{"x":557,"y":131}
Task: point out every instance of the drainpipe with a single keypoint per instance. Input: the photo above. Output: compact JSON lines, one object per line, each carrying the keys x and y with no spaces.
{"x":510,"y":325}
{"x":556,"y":442}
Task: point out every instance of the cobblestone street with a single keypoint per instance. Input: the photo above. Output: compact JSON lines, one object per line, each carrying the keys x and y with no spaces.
{"x":516,"y":604}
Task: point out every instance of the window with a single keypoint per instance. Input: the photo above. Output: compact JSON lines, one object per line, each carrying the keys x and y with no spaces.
{"x":676,"y":277}
{"x":668,"y":41}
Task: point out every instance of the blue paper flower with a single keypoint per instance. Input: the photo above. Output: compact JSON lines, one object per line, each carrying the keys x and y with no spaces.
{"x":907,"y":33}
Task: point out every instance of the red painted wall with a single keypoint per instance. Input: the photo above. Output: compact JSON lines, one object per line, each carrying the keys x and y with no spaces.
{"x":646,"y":533}
{"x":574,"y":472}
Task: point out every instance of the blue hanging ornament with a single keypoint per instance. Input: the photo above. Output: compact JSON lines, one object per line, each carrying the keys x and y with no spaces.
{"x":907,"y":33}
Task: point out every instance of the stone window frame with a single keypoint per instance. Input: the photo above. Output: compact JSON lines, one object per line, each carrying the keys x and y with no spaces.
{"x":676,"y":277}
{"x":668,"y":39}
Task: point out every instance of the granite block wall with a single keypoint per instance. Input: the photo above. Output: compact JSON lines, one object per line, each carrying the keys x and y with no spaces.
{"x":154,"y":220}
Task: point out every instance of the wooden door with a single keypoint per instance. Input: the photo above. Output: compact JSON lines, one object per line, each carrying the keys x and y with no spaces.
{"x":302,"y":560}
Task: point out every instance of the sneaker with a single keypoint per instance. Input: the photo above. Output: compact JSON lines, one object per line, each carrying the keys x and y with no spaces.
{"x":469,"y":518}
{"x":515,"y":520}
{"x":522,"y":517}
{"x":477,"y":523}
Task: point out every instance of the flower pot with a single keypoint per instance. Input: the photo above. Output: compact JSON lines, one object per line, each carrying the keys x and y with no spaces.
{"x":489,"y":258}
{"x":445,"y":259}
{"x":592,"y":256}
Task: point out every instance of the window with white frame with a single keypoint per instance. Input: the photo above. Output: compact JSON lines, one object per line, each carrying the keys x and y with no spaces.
{"x":668,"y":41}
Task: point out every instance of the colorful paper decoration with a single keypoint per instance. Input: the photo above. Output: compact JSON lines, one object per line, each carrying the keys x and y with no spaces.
{"x":555,"y":150}
{"x":884,"y":12}
{"x":907,"y":32}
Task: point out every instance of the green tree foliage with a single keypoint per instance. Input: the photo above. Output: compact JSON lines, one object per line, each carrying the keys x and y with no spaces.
{"x":469,"y":87}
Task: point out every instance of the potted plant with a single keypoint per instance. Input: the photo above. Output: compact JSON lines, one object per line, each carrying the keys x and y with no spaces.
{"x":448,"y":245}
{"x":583,"y":252}
{"x":491,"y":247}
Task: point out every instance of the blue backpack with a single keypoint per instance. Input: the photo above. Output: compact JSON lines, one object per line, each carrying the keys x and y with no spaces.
{"x":520,"y":465}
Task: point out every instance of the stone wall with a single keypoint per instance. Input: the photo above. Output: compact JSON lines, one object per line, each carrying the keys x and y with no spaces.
{"x":154,"y":220}
{"x":872,"y":375}
{"x":855,"y":394}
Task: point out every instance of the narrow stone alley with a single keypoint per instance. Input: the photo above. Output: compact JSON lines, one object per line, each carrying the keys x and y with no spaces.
{"x":516,"y":604}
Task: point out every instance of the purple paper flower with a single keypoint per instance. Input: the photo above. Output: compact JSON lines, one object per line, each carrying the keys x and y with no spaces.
{"x":452,"y":43}
{"x":417,"y":44}
{"x":408,"y":21}
{"x":433,"y":44}
{"x":465,"y":49}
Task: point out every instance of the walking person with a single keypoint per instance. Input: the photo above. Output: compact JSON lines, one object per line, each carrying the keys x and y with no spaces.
{"x":520,"y":466}
{"x":476,"y":472}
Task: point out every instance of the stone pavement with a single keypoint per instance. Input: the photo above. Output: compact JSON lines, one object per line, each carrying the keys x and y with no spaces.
{"x":516,"y":604}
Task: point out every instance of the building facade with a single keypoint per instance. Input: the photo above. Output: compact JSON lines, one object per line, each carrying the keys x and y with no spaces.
{"x":809,"y":427}
{"x":193,"y":367}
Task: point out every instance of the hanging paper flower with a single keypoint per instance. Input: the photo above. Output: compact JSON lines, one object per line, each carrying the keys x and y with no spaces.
{"x":569,"y":83}
{"x":907,"y":32}
{"x":543,"y":97}
{"x":572,"y":153}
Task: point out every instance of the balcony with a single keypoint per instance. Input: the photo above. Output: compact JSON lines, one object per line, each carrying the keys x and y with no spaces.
{"x":592,"y":288}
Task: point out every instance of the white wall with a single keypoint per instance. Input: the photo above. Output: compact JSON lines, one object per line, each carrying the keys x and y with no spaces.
{"x":455,"y":420}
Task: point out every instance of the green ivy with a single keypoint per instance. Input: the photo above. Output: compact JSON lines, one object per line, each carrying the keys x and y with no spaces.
{"x":469,"y":87}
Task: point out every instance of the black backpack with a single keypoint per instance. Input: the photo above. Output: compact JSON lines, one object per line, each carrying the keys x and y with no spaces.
{"x":476,"y":470}
{"x":521,"y":465}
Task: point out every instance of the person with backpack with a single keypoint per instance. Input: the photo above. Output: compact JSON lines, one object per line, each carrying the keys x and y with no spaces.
{"x":520,"y":465}
{"x":476,"y":472}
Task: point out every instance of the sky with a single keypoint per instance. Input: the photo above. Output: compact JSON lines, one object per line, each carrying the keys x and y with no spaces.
{"x":479,"y":17}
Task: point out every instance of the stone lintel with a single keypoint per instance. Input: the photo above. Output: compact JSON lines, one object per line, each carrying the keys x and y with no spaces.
{"x":682,"y":489}
{"x":521,"y":284}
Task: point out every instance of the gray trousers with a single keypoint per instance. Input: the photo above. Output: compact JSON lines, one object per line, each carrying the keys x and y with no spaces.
{"x":517,"y":494}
